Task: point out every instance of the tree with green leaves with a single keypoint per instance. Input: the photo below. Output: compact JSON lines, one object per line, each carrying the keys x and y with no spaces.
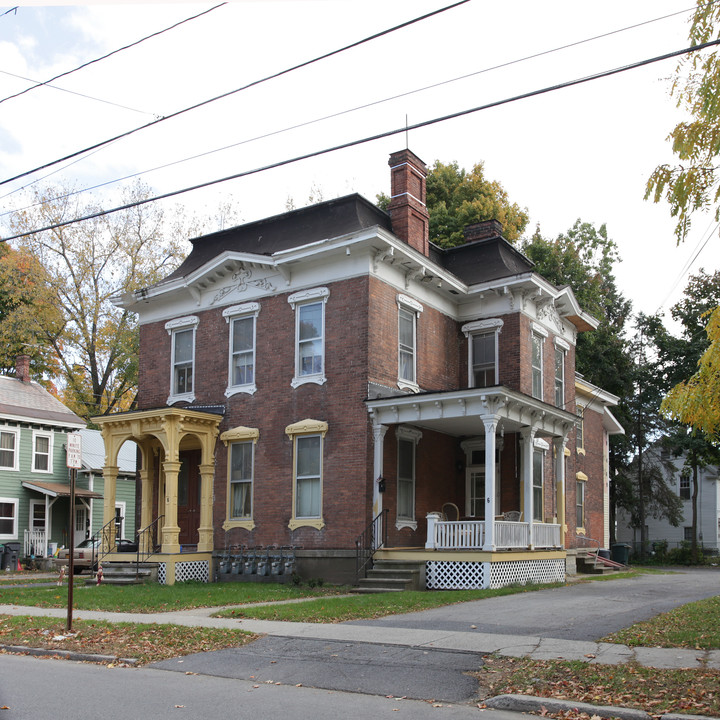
{"x":80,"y":267}
{"x":694,"y":183}
{"x":457,"y":198}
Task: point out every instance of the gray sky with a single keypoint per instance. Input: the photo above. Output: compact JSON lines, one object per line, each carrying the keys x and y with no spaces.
{"x":583,"y":152}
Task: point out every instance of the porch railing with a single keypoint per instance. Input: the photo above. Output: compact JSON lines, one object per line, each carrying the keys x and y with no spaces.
{"x":546,"y":535}
{"x":147,"y":540}
{"x":373,"y":537}
{"x":35,"y":543}
{"x":470,"y":535}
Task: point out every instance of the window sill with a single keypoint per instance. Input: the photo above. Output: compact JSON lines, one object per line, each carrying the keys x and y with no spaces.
{"x":401,"y":524}
{"x":407,"y":385}
{"x":317,"y":523}
{"x":237,"y":389}
{"x":185,"y":397}
{"x":319,"y":379}
{"x":248,"y":524}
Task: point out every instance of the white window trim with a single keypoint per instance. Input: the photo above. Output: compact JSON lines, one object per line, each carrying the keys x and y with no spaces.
{"x":189,"y":322}
{"x":31,"y":505}
{"x":560,"y":347}
{"x":13,"y":535}
{"x":412,"y":306}
{"x":305,"y":428}
{"x":297,"y":300}
{"x":122,"y":506}
{"x":413,"y":435}
{"x":51,"y":437}
{"x":581,"y":477}
{"x":16,"y":450}
{"x":238,"y":312}
{"x":229,"y":437}
{"x":481,"y":327}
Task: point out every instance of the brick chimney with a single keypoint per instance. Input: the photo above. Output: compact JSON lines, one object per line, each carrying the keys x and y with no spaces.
{"x":22,"y":368}
{"x":408,"y":212}
{"x":483,"y":230}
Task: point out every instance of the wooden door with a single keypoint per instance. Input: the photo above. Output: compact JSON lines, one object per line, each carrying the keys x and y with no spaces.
{"x":189,"y":497}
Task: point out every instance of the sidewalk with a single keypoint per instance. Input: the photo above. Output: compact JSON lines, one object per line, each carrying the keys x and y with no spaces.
{"x":531,"y":646}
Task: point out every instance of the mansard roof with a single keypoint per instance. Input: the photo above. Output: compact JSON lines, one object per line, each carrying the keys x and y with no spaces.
{"x":296,"y":228}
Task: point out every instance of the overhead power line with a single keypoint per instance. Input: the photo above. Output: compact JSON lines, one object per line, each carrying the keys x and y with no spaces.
{"x":379,"y":136}
{"x":339,"y":113}
{"x":110,"y":54}
{"x":237,"y":90}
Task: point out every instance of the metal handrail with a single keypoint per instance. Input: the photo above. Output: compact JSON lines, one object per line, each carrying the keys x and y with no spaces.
{"x":97,"y":543}
{"x":148,"y":532}
{"x":597,"y":549}
{"x":369,"y":541}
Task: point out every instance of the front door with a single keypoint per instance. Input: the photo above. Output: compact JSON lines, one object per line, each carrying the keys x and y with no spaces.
{"x":189,"y":497}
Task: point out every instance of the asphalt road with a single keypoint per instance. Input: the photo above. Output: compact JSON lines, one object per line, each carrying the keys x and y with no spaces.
{"x":585,"y":611}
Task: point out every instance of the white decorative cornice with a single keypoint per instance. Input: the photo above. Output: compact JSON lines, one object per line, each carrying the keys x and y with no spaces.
{"x":482,"y":326}
{"x":307,"y":295}
{"x":242,"y":280}
{"x":251,"y":308}
{"x":409,"y":302}
{"x":539,"y":329}
{"x":189,"y":321}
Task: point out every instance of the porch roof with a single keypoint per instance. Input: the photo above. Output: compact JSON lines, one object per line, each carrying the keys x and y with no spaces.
{"x":461,"y":412}
{"x":59,"y":490}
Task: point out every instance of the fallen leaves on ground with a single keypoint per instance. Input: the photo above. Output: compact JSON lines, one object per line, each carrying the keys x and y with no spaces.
{"x":657,"y":691}
{"x":145,"y":643}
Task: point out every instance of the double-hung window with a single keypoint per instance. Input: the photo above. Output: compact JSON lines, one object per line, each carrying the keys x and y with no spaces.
{"x":408,"y":313}
{"x":536,"y":357}
{"x":309,"y":306}
{"x":407,"y":440}
{"x":561,"y":349}
{"x":580,"y":482}
{"x":242,"y":320}
{"x":308,"y":437}
{"x":537,"y":481}
{"x":483,"y":352}
{"x":182,"y":353}
{"x":42,"y":452}
{"x":240,"y":443}
{"x":684,"y":487}
{"x":8,"y":518}
{"x":8,"y":449}
{"x":580,"y":430}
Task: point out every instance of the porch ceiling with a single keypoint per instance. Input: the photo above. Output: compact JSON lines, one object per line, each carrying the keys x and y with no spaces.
{"x":462,"y":413}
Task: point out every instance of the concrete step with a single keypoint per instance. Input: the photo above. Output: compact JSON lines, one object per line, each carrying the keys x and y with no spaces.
{"x":115,"y":573}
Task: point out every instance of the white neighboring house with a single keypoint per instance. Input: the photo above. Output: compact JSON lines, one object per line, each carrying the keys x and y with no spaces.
{"x":88,"y":520}
{"x":708,"y":504}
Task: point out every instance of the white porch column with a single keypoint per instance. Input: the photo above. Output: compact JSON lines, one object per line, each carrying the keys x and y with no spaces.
{"x":528,"y":438}
{"x":490,"y":428}
{"x":378,"y":447}
{"x":559,"y":445}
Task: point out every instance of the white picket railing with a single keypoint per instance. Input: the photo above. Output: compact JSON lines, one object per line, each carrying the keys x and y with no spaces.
{"x":511,"y":535}
{"x":470,"y":535}
{"x":546,"y":535}
{"x":34,"y":542}
{"x":463,"y":535}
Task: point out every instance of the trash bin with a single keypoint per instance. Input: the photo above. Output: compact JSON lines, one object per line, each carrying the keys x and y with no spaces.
{"x":10,"y":556}
{"x":604,"y":553}
{"x":621,"y":553}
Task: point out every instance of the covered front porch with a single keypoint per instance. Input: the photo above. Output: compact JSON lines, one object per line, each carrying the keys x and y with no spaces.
{"x":489,"y":485}
{"x":177,"y":447}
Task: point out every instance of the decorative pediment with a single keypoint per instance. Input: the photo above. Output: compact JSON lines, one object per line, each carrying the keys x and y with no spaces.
{"x":241,"y":281}
{"x":240,"y":433}
{"x":307,"y":426}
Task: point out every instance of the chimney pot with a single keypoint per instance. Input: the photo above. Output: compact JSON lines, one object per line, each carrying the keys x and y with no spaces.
{"x":22,"y":368}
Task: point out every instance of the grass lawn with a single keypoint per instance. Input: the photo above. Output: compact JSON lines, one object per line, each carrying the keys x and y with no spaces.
{"x":158,"y":598}
{"x":145,"y":643}
{"x":359,"y":607}
{"x":696,"y":626}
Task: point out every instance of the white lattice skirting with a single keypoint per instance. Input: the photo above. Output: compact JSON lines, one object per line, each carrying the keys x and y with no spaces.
{"x":464,"y":575}
{"x":191,"y":570}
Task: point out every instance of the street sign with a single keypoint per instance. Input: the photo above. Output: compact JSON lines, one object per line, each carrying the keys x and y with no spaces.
{"x":74,"y":450}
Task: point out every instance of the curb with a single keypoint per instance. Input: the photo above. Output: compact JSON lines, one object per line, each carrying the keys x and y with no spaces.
{"x":67,"y":654}
{"x":531,"y":703}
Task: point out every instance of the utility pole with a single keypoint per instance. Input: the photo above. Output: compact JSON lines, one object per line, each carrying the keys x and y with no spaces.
{"x":74,"y":462}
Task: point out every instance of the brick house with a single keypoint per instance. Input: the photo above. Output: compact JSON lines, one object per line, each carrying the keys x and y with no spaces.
{"x":329,"y":374}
